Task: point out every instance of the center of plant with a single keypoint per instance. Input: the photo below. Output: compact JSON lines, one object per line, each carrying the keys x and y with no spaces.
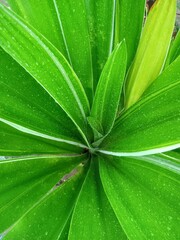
{"x":92,"y":151}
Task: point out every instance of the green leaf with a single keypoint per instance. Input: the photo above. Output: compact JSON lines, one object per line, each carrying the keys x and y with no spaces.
{"x":96,"y":127}
{"x":174,"y":155}
{"x":100,"y":15}
{"x":107,"y":96}
{"x":73,"y":21}
{"x":168,"y":160}
{"x":42,"y":16}
{"x":93,"y":213}
{"x":23,"y":101}
{"x":144,"y":195}
{"x":37,"y":194}
{"x":16,"y":141}
{"x":174,"y":51}
{"x":177,"y":150}
{"x":168,"y":77}
{"x":151,"y":126}
{"x":46,"y":65}
{"x":128,"y":24}
{"x":65,"y":232}
{"x":152,"y":50}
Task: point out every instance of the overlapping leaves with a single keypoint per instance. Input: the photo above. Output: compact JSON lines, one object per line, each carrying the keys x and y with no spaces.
{"x":62,"y":116}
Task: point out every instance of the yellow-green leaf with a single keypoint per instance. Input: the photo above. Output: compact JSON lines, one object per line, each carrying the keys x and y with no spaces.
{"x":152,"y":125}
{"x":152,"y":50}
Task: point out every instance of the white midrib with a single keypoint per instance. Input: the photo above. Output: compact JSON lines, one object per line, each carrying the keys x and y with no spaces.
{"x":39,"y":134}
{"x":63,"y":72}
{"x":141,"y":153}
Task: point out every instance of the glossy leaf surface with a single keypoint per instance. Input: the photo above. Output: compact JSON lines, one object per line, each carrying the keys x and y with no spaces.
{"x":129,"y":20}
{"x":59,"y":80}
{"x":170,"y":76}
{"x":152,"y":125}
{"x":63,"y":181}
{"x":73,"y":22}
{"x":174,"y":51}
{"x":15,"y":142}
{"x":42,"y":16}
{"x":107,"y":96}
{"x":65,"y":232}
{"x":100,"y":15}
{"x":23,"y":101}
{"x":152,"y":50}
{"x":43,"y":179}
{"x":93,"y":213}
{"x":144,"y":196}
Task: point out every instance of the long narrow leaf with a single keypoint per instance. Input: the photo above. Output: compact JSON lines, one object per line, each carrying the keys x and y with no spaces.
{"x":64,"y":233}
{"x":46,"y":65}
{"x":73,"y":21}
{"x":174,"y":51}
{"x":100,"y":14}
{"x":39,"y":189}
{"x":152,"y":50}
{"x":42,"y":16}
{"x":16,"y":141}
{"x":93,"y":213}
{"x":129,"y":20}
{"x":23,"y":101}
{"x":108,"y":92}
{"x":169,"y":76}
{"x":144,"y":195}
{"x":152,"y":125}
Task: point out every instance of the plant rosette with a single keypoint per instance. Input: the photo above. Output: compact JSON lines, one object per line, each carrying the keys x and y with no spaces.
{"x":89,"y":120}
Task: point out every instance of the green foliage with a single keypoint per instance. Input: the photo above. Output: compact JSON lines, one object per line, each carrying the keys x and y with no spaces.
{"x":89,"y":120}
{"x":105,"y":104}
{"x":152,"y":50}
